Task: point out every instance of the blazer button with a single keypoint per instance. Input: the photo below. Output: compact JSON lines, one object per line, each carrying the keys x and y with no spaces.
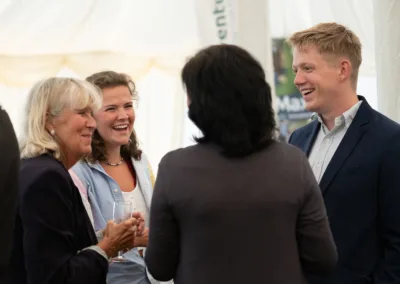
{"x":115,"y":190}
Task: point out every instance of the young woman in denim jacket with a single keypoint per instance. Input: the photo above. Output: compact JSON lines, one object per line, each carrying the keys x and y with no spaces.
{"x":117,"y":170}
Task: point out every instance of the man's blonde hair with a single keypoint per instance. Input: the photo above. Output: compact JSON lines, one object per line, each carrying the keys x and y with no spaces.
{"x":331,"y":39}
{"x":48,"y":98}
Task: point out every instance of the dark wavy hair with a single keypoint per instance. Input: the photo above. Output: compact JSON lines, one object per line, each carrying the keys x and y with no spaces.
{"x":110,"y":79}
{"x":229,"y":100}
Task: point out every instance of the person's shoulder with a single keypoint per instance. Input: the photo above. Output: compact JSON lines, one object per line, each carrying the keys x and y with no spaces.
{"x":180,"y":154}
{"x":80,"y":166}
{"x":307,"y":127}
{"x":43,"y":170}
{"x":144,"y":156}
{"x":44,"y":161}
{"x":286,"y":147}
{"x":303,"y":132}
{"x":143,"y":159}
{"x":286,"y":151}
{"x":83,"y":170}
{"x":6,"y":128}
{"x":383,"y":130}
{"x":384,"y":124}
{"x":3,"y":113}
{"x":5,"y":120}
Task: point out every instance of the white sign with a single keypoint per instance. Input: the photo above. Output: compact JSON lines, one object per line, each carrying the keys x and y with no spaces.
{"x":215,"y":21}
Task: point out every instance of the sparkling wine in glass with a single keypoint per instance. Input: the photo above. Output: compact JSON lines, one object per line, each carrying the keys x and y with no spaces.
{"x":122,"y":210}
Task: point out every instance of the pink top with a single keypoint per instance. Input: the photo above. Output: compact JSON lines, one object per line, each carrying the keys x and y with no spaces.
{"x":82,"y":190}
{"x":78,"y":184}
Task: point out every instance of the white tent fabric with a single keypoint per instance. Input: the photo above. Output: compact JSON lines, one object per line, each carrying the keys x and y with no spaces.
{"x":289,"y":16}
{"x":387,"y":15}
{"x":40,"y":37}
{"x":150,"y":40}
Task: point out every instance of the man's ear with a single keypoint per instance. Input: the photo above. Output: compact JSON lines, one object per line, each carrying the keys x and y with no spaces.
{"x":344,"y":69}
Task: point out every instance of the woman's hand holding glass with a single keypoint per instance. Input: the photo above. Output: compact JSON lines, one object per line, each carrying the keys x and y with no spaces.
{"x":141,"y":226}
{"x":118,"y":237}
{"x":142,"y":241}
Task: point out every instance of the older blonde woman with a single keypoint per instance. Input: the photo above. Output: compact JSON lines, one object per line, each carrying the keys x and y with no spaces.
{"x":54,"y":241}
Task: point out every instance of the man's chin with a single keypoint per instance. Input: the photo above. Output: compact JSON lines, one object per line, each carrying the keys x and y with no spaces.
{"x":310,"y":108}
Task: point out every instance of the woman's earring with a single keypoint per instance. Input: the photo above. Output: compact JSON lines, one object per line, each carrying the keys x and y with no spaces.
{"x":52,"y":132}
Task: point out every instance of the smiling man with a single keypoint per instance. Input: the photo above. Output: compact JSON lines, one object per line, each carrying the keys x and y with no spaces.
{"x":354,"y":152}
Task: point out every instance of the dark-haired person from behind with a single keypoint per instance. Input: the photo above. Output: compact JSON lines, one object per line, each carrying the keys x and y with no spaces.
{"x":237,"y":207}
{"x":9,"y":157}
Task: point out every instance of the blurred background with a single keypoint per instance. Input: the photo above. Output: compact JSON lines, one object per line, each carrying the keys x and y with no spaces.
{"x":150,"y":40}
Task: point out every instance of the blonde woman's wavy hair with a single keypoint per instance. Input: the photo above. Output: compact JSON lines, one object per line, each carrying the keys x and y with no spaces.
{"x":47,"y":99}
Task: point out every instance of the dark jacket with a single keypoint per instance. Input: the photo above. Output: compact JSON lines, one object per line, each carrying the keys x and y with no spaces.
{"x":9,"y":168}
{"x":52,"y":229}
{"x":259,"y":219}
{"x":361,"y":188}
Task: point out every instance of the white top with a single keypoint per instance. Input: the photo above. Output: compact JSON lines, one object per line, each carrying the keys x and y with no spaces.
{"x":327,"y":141}
{"x":136,"y":197}
{"x":139,"y":204}
{"x":128,"y":197}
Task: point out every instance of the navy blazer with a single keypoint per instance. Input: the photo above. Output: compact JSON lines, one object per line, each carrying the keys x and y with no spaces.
{"x":52,"y":227}
{"x":361,"y":189}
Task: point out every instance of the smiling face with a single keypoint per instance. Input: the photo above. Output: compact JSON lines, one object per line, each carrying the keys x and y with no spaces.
{"x":73,"y":130}
{"x":316,"y":78}
{"x":116,"y":117}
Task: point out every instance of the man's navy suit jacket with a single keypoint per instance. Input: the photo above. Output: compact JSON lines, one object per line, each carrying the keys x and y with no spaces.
{"x":361,"y":189}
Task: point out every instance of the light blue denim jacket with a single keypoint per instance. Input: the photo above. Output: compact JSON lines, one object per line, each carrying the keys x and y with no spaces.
{"x":102,"y":192}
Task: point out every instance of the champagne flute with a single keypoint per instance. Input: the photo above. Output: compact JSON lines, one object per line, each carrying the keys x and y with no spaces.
{"x":122,"y":210}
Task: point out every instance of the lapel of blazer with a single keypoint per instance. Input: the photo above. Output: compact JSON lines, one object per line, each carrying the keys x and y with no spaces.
{"x":143,"y":178}
{"x":311,"y":136}
{"x":350,"y":140}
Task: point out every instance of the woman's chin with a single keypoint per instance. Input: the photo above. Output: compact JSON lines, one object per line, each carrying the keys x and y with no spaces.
{"x":122,"y":142}
{"x":85,"y":152}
